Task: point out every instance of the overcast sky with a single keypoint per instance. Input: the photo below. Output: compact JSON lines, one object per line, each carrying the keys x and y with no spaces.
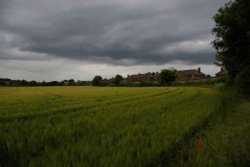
{"x":63,"y":39}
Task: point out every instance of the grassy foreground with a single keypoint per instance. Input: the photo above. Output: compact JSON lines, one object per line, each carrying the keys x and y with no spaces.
{"x":90,"y":126}
{"x":224,"y":142}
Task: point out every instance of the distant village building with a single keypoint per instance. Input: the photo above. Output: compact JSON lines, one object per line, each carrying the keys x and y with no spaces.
{"x":151,"y":77}
{"x":194,"y":74}
{"x":222,"y":72}
{"x":184,"y":75}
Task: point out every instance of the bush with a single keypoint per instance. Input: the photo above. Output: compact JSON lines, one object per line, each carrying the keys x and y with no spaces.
{"x":146,"y":83}
{"x":243,"y":82}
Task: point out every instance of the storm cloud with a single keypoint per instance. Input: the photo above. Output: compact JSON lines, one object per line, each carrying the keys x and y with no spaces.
{"x":115,"y":32}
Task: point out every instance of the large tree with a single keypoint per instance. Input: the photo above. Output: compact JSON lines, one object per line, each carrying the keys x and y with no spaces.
{"x":232,"y":32}
{"x":97,"y":80}
{"x":118,"y":79}
{"x":168,"y":76}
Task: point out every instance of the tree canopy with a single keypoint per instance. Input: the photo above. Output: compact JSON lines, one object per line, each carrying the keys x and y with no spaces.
{"x":97,"y":80}
{"x":232,"y":36}
{"x":168,"y":76}
{"x":118,"y":79}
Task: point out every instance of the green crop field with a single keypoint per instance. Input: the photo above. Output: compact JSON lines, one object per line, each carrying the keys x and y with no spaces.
{"x":99,"y":126}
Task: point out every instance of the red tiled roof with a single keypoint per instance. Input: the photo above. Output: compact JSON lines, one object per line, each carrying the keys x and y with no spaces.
{"x":189,"y":72}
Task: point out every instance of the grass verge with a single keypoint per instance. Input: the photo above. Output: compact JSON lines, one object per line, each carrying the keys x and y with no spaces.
{"x":224,"y":141}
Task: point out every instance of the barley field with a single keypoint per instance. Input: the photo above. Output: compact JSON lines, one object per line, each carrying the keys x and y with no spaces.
{"x":99,"y":126}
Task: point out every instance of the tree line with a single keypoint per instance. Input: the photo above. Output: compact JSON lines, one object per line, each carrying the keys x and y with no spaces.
{"x":167,"y":77}
{"x":118,"y":80}
{"x":70,"y":82}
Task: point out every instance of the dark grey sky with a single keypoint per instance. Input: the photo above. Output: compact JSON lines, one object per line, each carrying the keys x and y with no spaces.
{"x":57,"y":39}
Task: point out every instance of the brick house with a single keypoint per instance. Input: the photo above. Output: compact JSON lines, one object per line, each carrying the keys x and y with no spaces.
{"x":194,"y":74}
{"x":222,"y":72}
{"x":150,"y":77}
{"x":184,"y":75}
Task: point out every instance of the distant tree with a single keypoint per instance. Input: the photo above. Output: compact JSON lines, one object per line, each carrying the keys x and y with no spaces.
{"x":32,"y":83}
{"x":103,"y":82}
{"x":79,"y":83}
{"x":168,"y":76}
{"x":97,"y":81}
{"x":63,"y":83}
{"x":5,"y":81}
{"x":118,"y":79}
{"x":24,"y":83}
{"x":232,"y":32}
{"x":71,"y":82}
{"x":43,"y":83}
{"x":17,"y":83}
{"x":53,"y":83}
